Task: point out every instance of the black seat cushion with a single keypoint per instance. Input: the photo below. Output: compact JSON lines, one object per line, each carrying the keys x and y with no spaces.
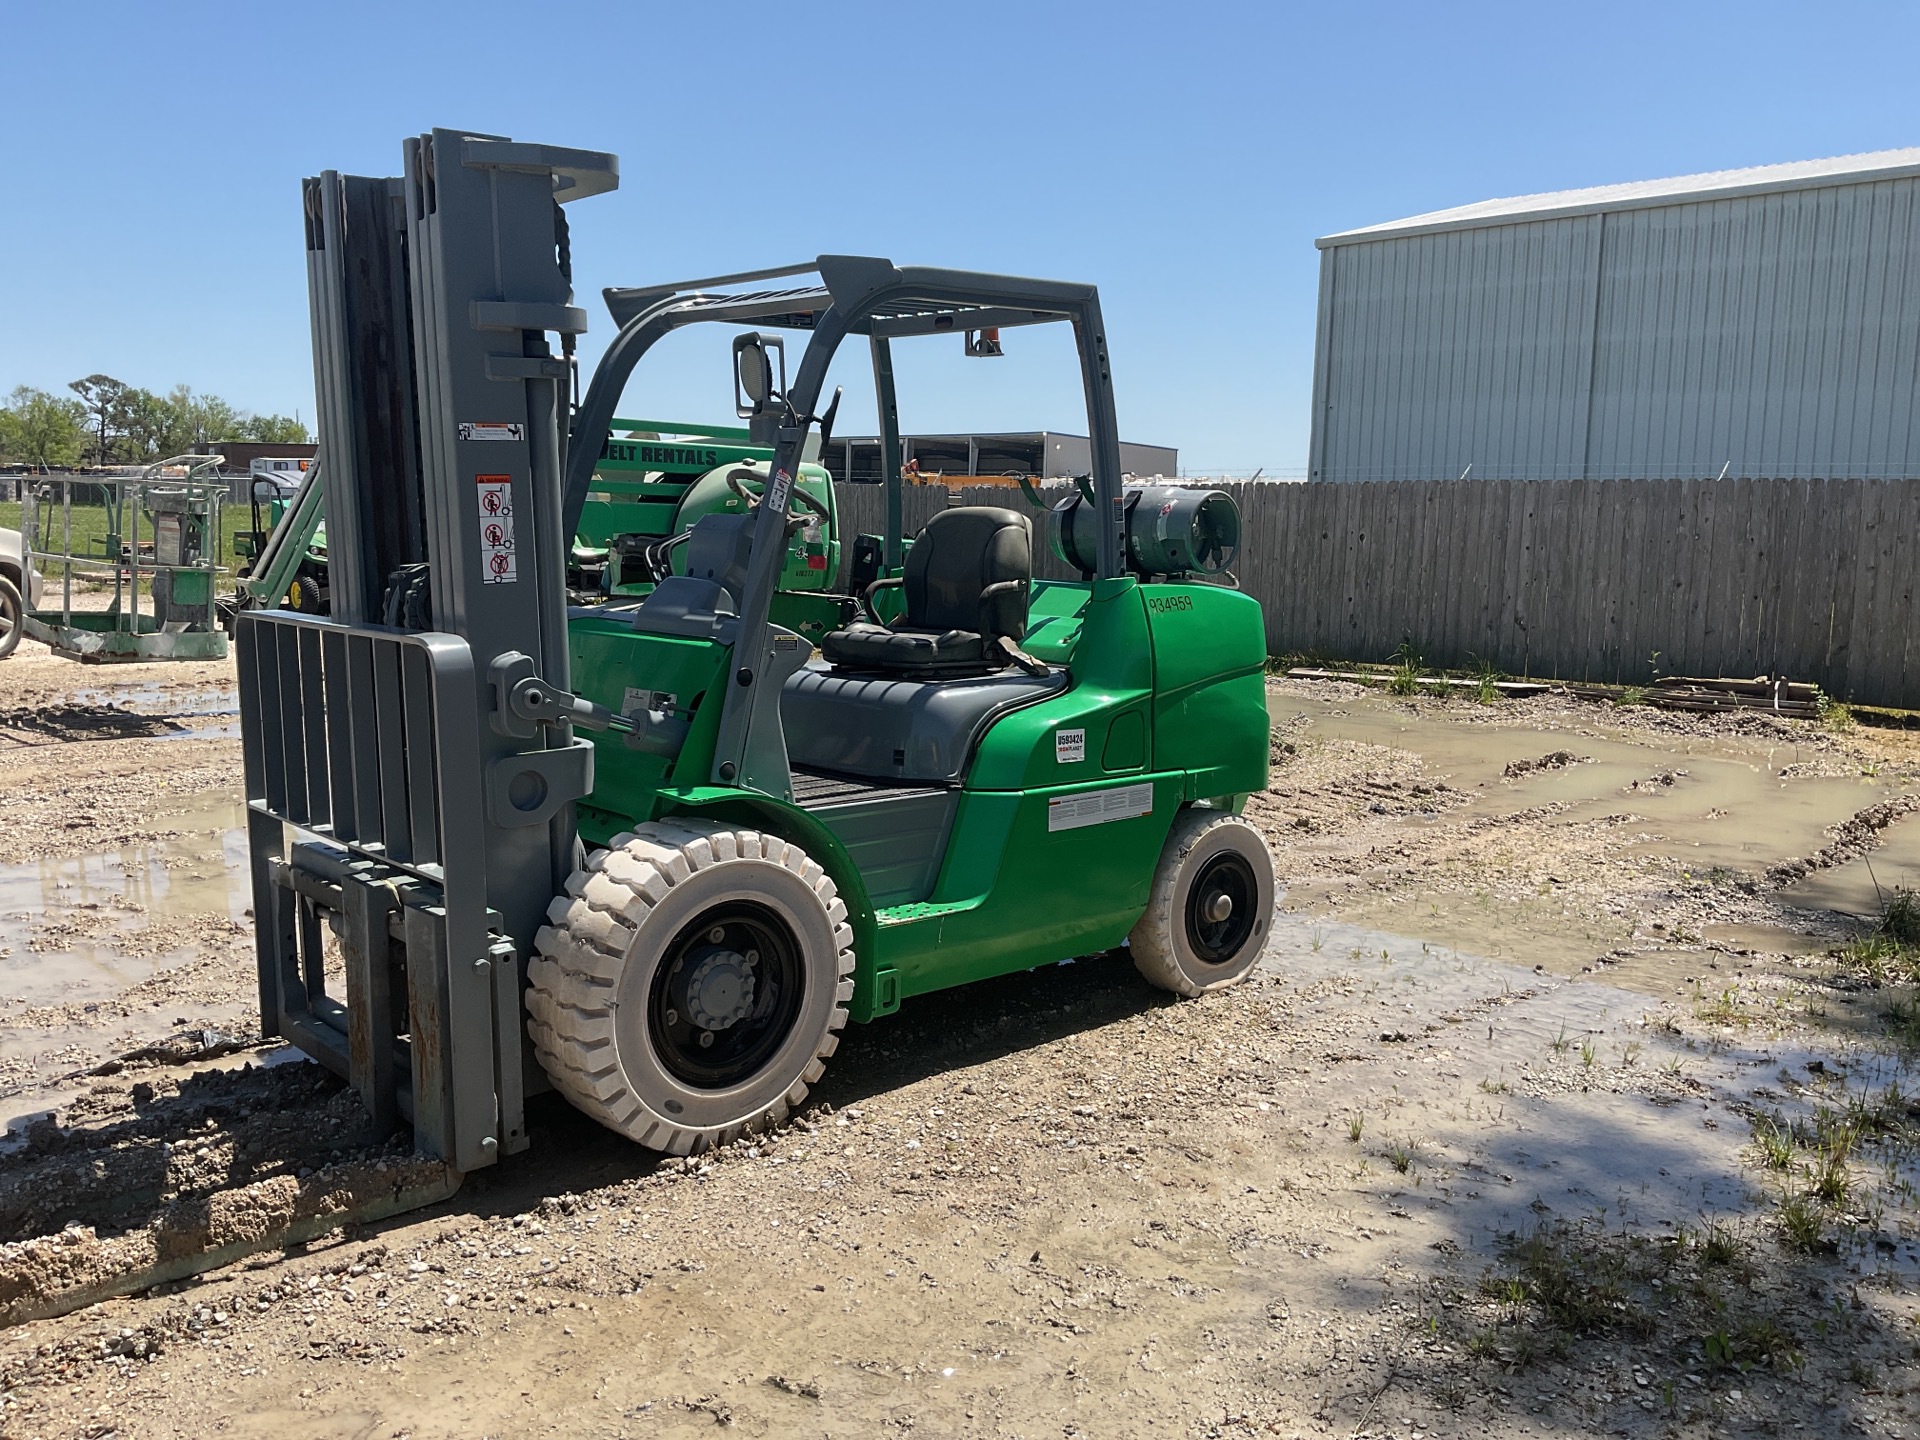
{"x":965,"y":583}
{"x":866,"y":646}
{"x":883,"y":727}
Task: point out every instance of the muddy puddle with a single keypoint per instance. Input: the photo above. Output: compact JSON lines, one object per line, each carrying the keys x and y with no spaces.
{"x":82,"y":928}
{"x":147,"y":710}
{"x":1579,"y":828}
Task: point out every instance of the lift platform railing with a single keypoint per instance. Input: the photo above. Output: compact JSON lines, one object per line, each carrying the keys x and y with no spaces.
{"x":379,"y":957}
{"x":157,"y":533}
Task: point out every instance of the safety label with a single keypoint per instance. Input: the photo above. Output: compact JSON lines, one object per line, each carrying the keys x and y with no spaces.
{"x":496,"y":530}
{"x":637,"y":700}
{"x":1069,"y":746}
{"x":491,"y":430}
{"x":1097,"y":807}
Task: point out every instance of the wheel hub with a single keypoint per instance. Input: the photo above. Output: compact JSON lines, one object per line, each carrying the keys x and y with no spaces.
{"x":720,"y":990}
{"x":727,"y":993}
{"x":1220,"y":908}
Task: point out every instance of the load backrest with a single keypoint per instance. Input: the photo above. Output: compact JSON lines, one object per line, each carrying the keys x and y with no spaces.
{"x":971,"y":569}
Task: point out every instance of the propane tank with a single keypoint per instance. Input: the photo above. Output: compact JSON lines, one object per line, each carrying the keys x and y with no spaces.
{"x":1171,"y":530}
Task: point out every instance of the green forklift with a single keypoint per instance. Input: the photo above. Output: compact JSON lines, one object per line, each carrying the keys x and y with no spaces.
{"x":655,"y":851}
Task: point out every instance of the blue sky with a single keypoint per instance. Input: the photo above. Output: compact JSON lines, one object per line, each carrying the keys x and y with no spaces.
{"x":1183,"y":157}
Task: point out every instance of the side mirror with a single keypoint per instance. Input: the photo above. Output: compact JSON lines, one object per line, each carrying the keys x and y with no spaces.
{"x":755,"y":386}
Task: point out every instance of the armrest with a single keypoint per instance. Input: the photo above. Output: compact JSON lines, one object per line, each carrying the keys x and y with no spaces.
{"x":987,"y":597}
{"x":886,"y":582}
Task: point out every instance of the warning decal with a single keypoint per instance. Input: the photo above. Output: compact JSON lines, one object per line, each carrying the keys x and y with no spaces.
{"x":491,"y":430}
{"x":496,"y":530}
{"x":1097,"y":807}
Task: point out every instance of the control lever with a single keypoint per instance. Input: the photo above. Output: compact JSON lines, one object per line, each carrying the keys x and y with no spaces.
{"x":522,"y":702}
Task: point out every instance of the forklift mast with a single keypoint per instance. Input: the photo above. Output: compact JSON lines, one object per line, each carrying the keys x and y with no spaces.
{"x":445,"y":822}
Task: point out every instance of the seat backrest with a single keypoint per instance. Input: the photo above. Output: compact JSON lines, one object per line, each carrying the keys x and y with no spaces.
{"x":718,"y":549}
{"x":952,"y":562}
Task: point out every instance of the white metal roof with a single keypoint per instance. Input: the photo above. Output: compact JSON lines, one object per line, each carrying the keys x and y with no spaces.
{"x":1644,"y":194}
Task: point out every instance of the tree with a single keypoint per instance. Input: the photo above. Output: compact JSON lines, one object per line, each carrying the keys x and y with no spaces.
{"x":102,"y":394}
{"x":43,"y":429}
{"x":273,"y":430}
{"x":143,"y":420}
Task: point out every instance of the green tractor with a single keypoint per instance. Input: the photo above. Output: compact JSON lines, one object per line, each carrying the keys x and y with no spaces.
{"x":759,"y":837}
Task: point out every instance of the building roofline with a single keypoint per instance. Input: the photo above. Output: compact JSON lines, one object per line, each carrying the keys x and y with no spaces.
{"x":1643,"y":195}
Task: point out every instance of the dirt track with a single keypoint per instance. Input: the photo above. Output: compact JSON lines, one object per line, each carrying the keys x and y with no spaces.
{"x":1472,"y":1154}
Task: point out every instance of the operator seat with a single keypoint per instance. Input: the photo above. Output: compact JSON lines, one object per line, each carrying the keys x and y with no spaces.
{"x":966,"y":582}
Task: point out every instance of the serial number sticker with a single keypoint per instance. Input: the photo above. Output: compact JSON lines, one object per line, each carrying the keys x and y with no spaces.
{"x":497,"y":563}
{"x":1069,"y":747}
{"x":491,"y":430}
{"x":1098,"y":807}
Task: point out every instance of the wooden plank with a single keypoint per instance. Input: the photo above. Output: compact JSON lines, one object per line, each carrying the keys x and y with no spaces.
{"x":1419,"y":580}
{"x":1840,"y":503}
{"x":1346,"y":506}
{"x":1550,"y":557}
{"x":1504,"y":635}
{"x":1364,"y":576}
{"x":1880,"y":676}
{"x":1808,"y":589}
{"x":1701,"y":652}
{"x":1584,"y":583}
{"x":1322,"y":630}
{"x":1619,"y":570}
{"x":1906,"y":619}
{"x":1459,"y":513}
{"x":1638,"y":600}
{"x":1670,"y":517}
{"x":1719,"y":605}
{"x":1460,"y":510}
{"x":1750,"y":499}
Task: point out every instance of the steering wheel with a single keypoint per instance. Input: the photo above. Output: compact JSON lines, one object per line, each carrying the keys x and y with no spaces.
{"x":733,"y":484}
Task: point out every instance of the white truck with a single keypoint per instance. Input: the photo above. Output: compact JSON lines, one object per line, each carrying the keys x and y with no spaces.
{"x":20,"y":587}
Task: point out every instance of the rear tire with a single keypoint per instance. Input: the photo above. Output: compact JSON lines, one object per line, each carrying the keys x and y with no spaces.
{"x":1211,"y":908}
{"x":692,"y":983}
{"x":13,"y":612}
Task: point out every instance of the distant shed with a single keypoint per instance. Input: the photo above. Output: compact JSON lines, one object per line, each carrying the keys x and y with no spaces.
{"x":1761,"y":322}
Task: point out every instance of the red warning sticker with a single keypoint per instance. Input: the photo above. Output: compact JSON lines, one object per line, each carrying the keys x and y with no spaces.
{"x":496,"y":530}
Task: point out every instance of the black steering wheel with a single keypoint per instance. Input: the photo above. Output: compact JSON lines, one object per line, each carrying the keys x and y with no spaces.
{"x":734,"y":484}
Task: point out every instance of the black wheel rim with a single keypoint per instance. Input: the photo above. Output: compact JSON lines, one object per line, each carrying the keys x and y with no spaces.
{"x":726,"y":995}
{"x":1226,"y":876}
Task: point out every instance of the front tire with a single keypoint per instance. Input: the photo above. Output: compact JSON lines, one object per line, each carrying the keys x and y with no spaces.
{"x":13,"y":614}
{"x":692,"y":983}
{"x":1211,"y":906}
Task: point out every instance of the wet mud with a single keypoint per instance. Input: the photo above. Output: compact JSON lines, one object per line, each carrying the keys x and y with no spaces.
{"x":1473,"y":1154}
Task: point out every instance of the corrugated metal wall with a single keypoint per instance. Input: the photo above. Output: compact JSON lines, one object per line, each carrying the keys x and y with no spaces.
{"x":1766,"y":335}
{"x":1818,"y":580}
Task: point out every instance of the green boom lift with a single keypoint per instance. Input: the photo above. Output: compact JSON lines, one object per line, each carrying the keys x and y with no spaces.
{"x":671,"y":917}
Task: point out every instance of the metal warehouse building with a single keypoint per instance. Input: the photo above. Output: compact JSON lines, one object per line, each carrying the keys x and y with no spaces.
{"x":1756,"y":323}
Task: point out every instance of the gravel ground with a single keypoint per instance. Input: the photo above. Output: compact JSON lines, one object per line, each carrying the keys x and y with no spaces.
{"x":1473,"y":1153}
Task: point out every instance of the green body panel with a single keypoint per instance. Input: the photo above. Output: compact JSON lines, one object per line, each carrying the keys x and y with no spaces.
{"x":1210,"y":689}
{"x":1053,"y":620}
{"x":1167,"y":706}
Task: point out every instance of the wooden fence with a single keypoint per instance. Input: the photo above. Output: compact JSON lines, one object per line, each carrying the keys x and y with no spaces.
{"x":1614,"y":581}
